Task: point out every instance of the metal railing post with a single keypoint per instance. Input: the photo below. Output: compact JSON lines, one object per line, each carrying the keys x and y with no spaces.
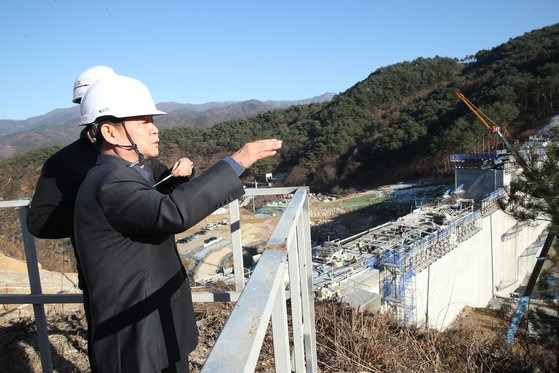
{"x":280,"y":332}
{"x":239,"y":343}
{"x":305,"y":256}
{"x":296,"y":314}
{"x":235,"y":224}
{"x":35,"y":285}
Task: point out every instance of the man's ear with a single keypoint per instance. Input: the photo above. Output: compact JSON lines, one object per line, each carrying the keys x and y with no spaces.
{"x":109,"y":133}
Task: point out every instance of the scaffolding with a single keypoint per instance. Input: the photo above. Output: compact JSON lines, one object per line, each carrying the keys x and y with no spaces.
{"x":398,"y":287}
{"x":399,"y":250}
{"x":409,"y":246}
{"x":491,"y":203}
{"x":466,"y":226}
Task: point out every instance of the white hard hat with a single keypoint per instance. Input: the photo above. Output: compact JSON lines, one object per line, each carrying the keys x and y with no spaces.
{"x":118,"y":96}
{"x":87,"y":78}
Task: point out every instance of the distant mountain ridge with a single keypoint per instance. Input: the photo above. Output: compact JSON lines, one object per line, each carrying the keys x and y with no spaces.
{"x":61,"y":126}
{"x":52,"y":118}
{"x":276,"y":104}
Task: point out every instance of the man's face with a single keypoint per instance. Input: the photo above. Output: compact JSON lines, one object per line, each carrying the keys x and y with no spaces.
{"x":145,"y":134}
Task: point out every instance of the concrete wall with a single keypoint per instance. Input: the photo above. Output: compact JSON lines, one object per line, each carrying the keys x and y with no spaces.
{"x":480,"y":182}
{"x":493,"y":261}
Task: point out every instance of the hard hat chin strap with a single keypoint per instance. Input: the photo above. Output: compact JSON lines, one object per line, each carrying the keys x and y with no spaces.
{"x":132,"y":146}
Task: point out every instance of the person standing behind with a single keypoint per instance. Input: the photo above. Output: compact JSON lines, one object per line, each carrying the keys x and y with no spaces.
{"x":51,"y":212}
{"x":142,"y":317}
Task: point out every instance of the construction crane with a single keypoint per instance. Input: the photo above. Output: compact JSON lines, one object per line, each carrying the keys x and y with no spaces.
{"x":493,"y":127}
{"x":525,"y":299}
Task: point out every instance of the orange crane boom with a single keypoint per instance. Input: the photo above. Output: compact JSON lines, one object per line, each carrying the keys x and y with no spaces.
{"x":491,"y":126}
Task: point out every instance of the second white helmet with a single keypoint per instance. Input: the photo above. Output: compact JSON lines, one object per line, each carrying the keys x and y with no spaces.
{"x":87,"y":78}
{"x":118,"y":96}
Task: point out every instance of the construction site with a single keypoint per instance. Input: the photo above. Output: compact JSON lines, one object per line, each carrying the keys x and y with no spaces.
{"x":427,"y":265}
{"x":424,"y":267}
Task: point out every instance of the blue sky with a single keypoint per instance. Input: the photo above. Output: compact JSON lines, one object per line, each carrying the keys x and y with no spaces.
{"x":196,"y":52}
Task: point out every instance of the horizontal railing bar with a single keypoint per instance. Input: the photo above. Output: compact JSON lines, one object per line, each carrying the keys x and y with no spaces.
{"x":288,"y":221}
{"x":214,"y":296}
{"x":15,"y":203}
{"x":248,"y":192}
{"x":40,"y":298}
{"x":271,"y":191}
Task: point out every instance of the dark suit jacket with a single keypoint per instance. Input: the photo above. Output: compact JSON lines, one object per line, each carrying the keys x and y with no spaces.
{"x":51,"y":212}
{"x":142,"y":317}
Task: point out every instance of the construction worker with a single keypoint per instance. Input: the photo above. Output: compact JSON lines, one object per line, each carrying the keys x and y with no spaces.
{"x":142,"y":318}
{"x":51,"y":212}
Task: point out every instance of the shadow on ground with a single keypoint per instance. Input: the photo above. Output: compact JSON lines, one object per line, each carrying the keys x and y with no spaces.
{"x":20,"y":352}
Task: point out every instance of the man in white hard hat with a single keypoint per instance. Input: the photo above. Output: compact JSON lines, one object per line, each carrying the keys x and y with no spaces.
{"x":142,"y":318}
{"x":51,"y":212}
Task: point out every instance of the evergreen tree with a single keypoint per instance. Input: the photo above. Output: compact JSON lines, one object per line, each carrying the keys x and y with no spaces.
{"x":535,"y":196}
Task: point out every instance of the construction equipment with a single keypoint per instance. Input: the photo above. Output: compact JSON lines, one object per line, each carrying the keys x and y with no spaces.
{"x":493,"y":127}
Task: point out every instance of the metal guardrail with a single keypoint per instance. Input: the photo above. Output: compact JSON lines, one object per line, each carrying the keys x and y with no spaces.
{"x":239,"y":344}
{"x":37,"y":298}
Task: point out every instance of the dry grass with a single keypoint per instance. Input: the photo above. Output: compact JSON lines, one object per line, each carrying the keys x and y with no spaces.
{"x":347,"y":341}
{"x":20,"y":352}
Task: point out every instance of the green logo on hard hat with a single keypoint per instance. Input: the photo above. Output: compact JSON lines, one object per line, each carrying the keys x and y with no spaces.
{"x":103,"y":110}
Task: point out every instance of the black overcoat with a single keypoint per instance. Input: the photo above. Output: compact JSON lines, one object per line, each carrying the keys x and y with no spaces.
{"x":142,"y":319}
{"x":51,"y":212}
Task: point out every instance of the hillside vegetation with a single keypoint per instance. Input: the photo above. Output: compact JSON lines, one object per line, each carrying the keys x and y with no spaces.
{"x":402,"y":121}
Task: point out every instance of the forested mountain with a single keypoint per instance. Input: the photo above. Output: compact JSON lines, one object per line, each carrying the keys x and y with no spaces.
{"x":402,"y":121}
{"x":61,"y":126}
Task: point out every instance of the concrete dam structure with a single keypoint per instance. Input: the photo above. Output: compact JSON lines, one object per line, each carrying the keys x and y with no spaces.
{"x":493,"y":261}
{"x":426,"y":266}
